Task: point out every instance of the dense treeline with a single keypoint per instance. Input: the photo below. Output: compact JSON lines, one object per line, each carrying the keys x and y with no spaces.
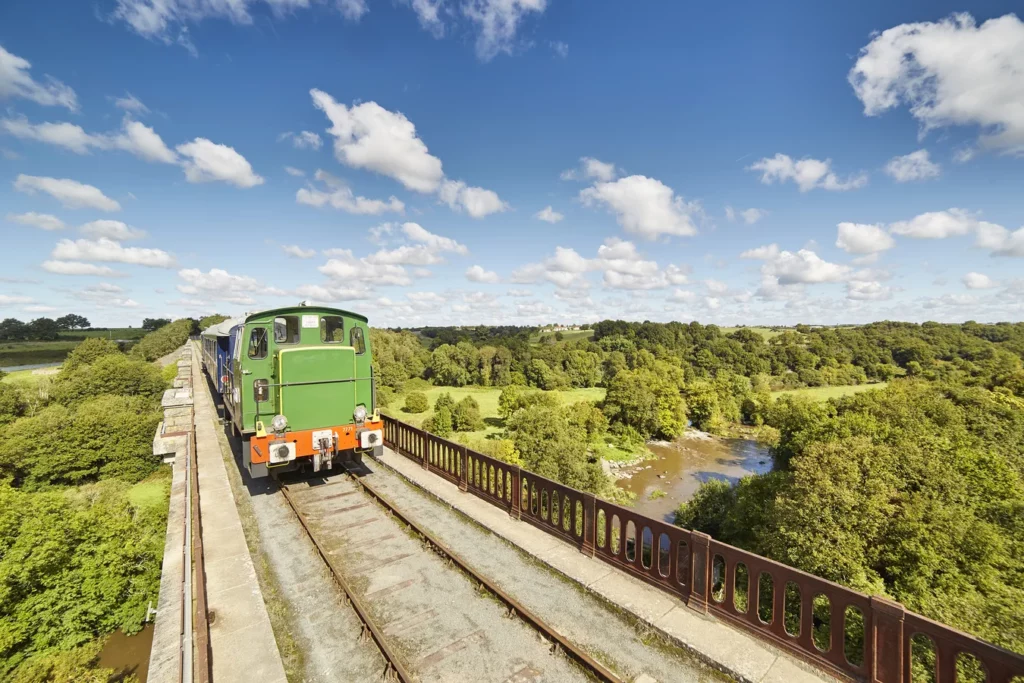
{"x":660,"y":375}
{"x":80,"y":550}
{"x":914,"y":491}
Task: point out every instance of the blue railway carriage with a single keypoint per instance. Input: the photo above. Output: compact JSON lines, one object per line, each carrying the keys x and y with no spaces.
{"x":216,"y":341}
{"x":297,"y":386}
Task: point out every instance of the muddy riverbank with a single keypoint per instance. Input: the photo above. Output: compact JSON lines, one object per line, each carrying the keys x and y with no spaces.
{"x":678,"y":469}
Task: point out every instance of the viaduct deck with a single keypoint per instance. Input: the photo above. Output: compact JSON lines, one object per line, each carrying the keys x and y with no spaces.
{"x":278,"y":554}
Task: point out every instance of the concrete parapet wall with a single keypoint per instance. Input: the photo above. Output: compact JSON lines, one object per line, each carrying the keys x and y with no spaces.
{"x":170,"y":443}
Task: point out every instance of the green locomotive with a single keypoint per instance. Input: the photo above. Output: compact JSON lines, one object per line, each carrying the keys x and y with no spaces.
{"x":297,"y":385}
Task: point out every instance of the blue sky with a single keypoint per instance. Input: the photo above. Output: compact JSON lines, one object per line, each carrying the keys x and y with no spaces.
{"x":513,"y":161}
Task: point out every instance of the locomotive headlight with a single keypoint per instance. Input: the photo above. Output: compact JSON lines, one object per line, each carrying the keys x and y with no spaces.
{"x":359,"y":414}
{"x":279,"y":423}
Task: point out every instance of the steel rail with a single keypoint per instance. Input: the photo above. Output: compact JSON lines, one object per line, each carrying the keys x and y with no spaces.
{"x":393,"y":663}
{"x":560,"y":643}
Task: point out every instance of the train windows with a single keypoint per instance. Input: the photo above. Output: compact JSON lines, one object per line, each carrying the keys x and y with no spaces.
{"x":356,"y":340}
{"x":258,"y":343}
{"x":332,"y":329}
{"x":286,"y":329}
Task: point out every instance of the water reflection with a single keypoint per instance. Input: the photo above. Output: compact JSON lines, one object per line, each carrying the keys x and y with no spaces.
{"x":128,"y":654}
{"x":681,"y":467}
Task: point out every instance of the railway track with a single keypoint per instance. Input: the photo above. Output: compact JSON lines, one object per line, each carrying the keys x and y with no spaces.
{"x":449,"y":630}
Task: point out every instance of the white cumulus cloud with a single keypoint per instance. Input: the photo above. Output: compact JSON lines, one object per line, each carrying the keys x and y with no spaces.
{"x":807,"y":173}
{"x":479,"y":274}
{"x":978,"y":281}
{"x":644,"y":206}
{"x":43,"y":221}
{"x":114,"y":230}
{"x":339,"y":195}
{"x":207,"y":161}
{"x":71,"y":193}
{"x":949,"y":73}
{"x":591,"y":169}
{"x":936,"y":224}
{"x":548,"y":215}
{"x":497,"y":22}
{"x":16,"y":81}
{"x":914,"y":166}
{"x":304,"y":139}
{"x":78,"y":268}
{"x":368,"y":136}
{"x":298,"y":252}
{"x":476,"y":201}
{"x":108,"y":251}
{"x":861,"y":238}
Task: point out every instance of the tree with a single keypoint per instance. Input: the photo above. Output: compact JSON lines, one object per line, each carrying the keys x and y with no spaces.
{"x":72,"y":321}
{"x":89,"y":351}
{"x":416,"y":402}
{"x":440,"y":423}
{"x":114,"y":374}
{"x":551,"y":446}
{"x":647,"y":401}
{"x":106,"y":436}
{"x":466,"y":416}
{"x":452,"y":366}
{"x":164,"y":340}
{"x":445,"y":400}
{"x":152,"y":324}
{"x":12,"y":329}
{"x":12,"y":404}
{"x":211,"y":320}
{"x":508,"y":400}
{"x":44,"y":329}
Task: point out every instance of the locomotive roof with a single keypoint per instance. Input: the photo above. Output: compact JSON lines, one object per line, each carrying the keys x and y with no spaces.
{"x":300,"y":309}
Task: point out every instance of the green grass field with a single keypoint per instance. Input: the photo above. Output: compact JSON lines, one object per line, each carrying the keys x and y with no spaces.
{"x":825,"y":393}
{"x":154,"y":490}
{"x":569,"y":335}
{"x":111,"y":333}
{"x":34,"y":352}
{"x":22,"y":378}
{"x":765,"y":332}
{"x":487,"y":397}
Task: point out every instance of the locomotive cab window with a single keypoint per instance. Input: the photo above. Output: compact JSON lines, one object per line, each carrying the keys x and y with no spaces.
{"x":286,"y":329}
{"x":258,"y":343}
{"x":332,"y":329}
{"x":356,"y":340}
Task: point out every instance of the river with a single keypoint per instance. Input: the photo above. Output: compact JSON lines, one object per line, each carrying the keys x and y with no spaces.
{"x":34,"y":366}
{"x":128,"y":654}
{"x":687,"y":463}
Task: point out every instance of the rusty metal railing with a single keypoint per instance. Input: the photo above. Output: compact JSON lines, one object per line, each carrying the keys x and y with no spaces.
{"x":841,"y":630}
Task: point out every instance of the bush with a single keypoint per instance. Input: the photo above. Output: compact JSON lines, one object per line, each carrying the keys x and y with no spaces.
{"x":466,"y":416}
{"x":115,"y":374}
{"x":169,"y":373}
{"x":445,"y":400}
{"x":416,"y":384}
{"x":440,"y":424}
{"x":12,"y":404}
{"x":385,"y":395}
{"x":89,"y":351}
{"x":416,"y":402}
{"x":107,"y":436}
{"x":162,"y":341}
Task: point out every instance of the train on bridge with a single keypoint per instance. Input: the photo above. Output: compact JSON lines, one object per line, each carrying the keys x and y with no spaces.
{"x":297,"y":387}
